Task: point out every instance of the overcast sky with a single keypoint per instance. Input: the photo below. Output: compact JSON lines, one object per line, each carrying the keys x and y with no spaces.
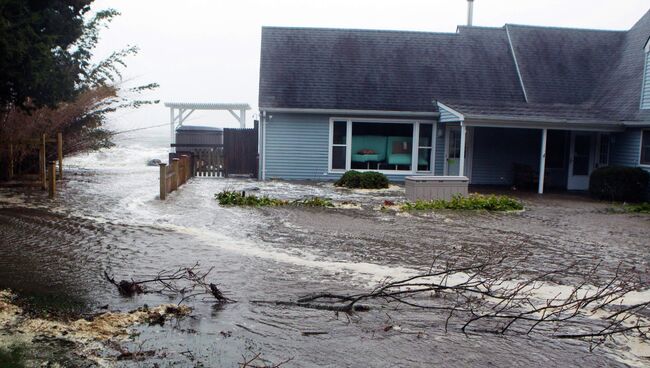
{"x":209,"y":50}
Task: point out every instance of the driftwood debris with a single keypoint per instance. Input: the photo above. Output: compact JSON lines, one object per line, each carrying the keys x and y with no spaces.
{"x":186,"y":282}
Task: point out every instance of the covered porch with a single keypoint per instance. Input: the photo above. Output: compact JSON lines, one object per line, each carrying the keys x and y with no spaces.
{"x":535,"y":157}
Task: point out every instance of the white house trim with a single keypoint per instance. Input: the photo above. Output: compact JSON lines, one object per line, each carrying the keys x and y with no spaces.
{"x":460,"y":116}
{"x":431,"y":114}
{"x":514,"y":56}
{"x":348,"y":143}
{"x":509,"y":122}
{"x":645,"y":72}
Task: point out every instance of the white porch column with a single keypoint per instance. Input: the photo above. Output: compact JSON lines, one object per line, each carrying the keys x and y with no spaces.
{"x":463,"y":133}
{"x":542,"y":163}
{"x":242,"y":119}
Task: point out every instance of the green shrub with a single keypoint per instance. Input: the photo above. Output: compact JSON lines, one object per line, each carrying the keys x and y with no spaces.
{"x":471,"y":202}
{"x":365,"y":180}
{"x":351,"y":179}
{"x":234,"y":198}
{"x":616,"y":183}
{"x":373,"y":180}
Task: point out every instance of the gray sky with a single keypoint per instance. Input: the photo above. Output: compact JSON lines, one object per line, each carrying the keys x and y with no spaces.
{"x":208,"y":51}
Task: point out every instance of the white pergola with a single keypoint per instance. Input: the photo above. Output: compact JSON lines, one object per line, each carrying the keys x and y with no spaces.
{"x":180,"y":111}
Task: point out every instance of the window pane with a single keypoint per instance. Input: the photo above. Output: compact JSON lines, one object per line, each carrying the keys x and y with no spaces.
{"x":424,"y":159}
{"x":645,"y":147}
{"x":645,"y":155}
{"x":381,"y":146}
{"x":603,"y":155}
{"x":426,"y":130}
{"x":340,"y":132}
{"x":338,"y":157}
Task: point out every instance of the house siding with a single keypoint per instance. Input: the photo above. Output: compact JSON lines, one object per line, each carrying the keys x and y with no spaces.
{"x":497,"y":149}
{"x":626,"y":148}
{"x":447,"y":116}
{"x":297,"y":148}
{"x":645,"y":92}
{"x":626,"y":151}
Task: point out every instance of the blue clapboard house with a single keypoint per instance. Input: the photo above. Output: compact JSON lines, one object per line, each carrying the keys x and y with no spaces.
{"x":513,"y":105}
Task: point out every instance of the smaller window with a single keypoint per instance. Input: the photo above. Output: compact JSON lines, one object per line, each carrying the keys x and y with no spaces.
{"x":425,"y":147}
{"x":339,"y":145}
{"x":645,"y":147}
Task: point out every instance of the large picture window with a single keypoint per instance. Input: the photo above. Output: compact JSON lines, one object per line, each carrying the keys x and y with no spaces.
{"x":645,"y":147}
{"x":388,"y":146}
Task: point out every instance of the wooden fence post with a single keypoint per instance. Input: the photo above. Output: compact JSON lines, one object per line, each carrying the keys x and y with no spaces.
{"x":59,"y":143}
{"x":43,"y":163}
{"x":163,"y":181}
{"x":176,"y":179}
{"x":181,"y":171}
{"x":11,"y":161}
{"x":186,"y":168}
{"x":52,"y":181}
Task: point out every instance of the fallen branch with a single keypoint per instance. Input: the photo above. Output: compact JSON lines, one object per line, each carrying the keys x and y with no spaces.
{"x":188,"y":282}
{"x":483,"y":296}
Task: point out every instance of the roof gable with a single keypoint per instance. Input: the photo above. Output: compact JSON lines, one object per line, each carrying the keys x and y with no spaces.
{"x":563,"y":65}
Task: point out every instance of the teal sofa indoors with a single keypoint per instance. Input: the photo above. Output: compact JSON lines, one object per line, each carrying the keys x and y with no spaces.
{"x":395,"y":154}
{"x":395,"y":147}
{"x":368,"y":142}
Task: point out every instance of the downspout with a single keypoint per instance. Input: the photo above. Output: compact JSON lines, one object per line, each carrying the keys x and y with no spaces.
{"x":263,"y":142}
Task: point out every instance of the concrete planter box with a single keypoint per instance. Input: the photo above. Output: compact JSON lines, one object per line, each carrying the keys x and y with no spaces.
{"x":426,"y":188}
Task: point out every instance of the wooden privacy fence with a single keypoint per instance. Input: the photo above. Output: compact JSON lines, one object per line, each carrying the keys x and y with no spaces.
{"x":175,"y":175}
{"x":46,"y":171}
{"x":240,"y":152}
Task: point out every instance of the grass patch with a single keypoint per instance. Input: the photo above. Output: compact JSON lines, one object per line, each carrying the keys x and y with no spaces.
{"x":638,"y":208}
{"x":471,"y":202}
{"x":234,"y":198}
{"x":631,"y":208}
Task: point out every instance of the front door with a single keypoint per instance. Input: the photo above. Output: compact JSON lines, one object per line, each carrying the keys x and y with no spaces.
{"x":581,"y":160}
{"x":452,"y":151}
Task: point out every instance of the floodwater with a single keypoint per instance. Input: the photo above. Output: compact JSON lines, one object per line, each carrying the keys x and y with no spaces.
{"x":107,"y":218}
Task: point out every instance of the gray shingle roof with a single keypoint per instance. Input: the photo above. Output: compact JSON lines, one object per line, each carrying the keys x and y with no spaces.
{"x":383,"y":70}
{"x":583,"y":75}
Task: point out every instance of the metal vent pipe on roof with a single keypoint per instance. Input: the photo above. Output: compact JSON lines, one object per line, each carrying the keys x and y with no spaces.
{"x":470,"y":12}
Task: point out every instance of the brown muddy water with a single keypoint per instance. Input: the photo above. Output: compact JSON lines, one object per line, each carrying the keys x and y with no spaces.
{"x":54,"y":253}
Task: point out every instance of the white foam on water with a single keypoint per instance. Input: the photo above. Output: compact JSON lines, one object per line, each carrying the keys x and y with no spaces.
{"x":373,"y":273}
{"x":131,"y":157}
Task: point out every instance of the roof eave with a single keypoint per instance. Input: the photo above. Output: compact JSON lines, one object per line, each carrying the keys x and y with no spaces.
{"x":541,"y":123}
{"x":432,"y":114}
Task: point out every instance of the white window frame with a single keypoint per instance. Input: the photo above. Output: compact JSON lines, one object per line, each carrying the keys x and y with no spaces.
{"x":641,"y":148}
{"x":348,"y":145}
{"x":432,"y":147}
